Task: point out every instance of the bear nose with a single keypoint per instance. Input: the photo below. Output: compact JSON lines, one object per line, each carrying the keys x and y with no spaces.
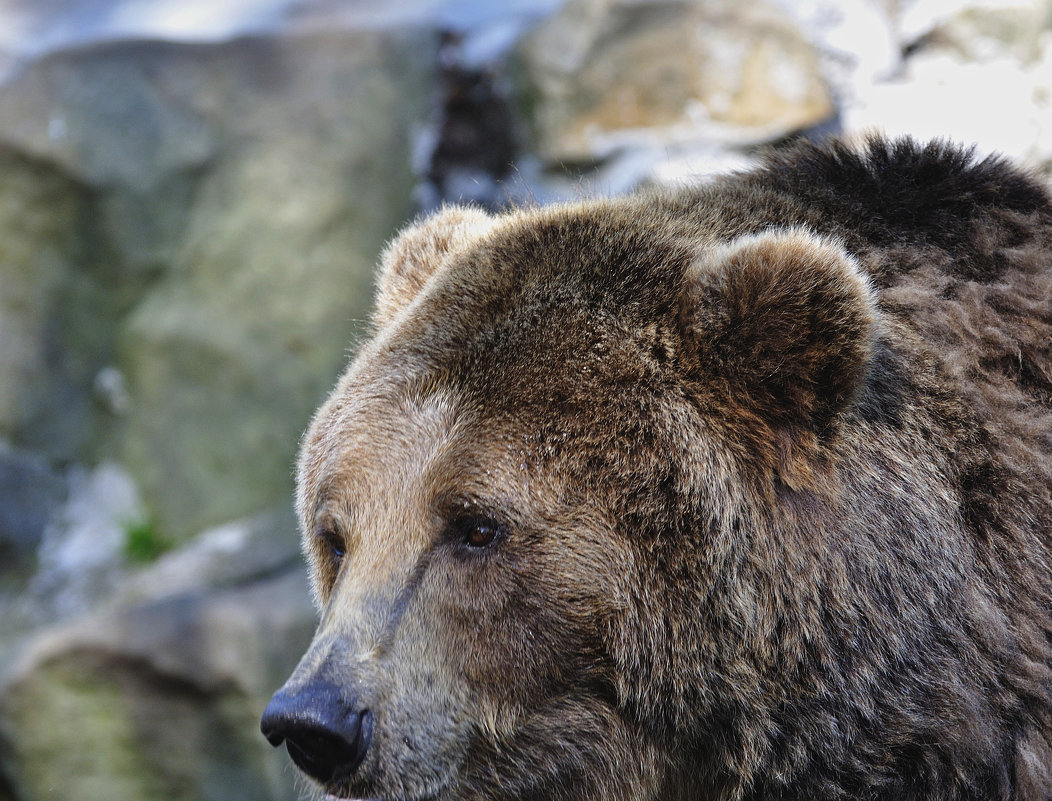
{"x":326,"y":737}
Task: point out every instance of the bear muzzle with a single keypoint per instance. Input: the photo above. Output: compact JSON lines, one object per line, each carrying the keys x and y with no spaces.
{"x":326,"y":736}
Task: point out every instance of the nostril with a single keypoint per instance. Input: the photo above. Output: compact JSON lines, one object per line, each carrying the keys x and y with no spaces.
{"x":322,"y":755}
{"x":325,"y":738}
{"x":278,"y":718}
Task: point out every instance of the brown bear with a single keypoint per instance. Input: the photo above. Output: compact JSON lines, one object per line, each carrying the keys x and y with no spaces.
{"x":735,"y":491}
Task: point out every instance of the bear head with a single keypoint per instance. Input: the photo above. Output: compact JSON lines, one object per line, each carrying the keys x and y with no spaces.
{"x":535,"y":504}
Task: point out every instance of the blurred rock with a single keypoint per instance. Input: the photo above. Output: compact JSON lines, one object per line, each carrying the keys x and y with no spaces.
{"x":204,"y":220}
{"x":29,"y":490}
{"x":978,"y":30}
{"x":233,"y":554}
{"x":159,"y":698}
{"x":82,"y":552}
{"x":57,"y":317}
{"x":602,"y":75}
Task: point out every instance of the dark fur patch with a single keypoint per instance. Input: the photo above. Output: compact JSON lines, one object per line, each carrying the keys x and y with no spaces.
{"x":895,"y":191}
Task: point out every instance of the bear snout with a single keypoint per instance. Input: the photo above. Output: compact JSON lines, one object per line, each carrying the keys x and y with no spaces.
{"x":326,"y":737}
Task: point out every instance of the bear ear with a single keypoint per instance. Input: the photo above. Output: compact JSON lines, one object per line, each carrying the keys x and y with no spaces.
{"x":418,"y":251}
{"x":784,"y":321}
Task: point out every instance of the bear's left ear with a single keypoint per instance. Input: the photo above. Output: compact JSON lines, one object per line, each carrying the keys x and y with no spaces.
{"x":783,"y":320}
{"x":418,"y":251}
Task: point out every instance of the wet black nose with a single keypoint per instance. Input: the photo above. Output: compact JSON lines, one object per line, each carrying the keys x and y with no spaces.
{"x":326,"y":737}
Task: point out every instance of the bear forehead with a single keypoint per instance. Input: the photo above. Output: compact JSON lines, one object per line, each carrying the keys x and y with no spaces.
{"x":382,"y":455}
{"x":549,"y":303}
{"x":547,"y":333}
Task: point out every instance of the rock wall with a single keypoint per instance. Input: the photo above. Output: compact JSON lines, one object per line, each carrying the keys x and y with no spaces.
{"x":605,"y":76}
{"x":190,"y":209}
{"x":203,"y":222}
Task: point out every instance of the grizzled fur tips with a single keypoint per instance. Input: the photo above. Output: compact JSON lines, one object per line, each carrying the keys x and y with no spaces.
{"x":740,"y":491}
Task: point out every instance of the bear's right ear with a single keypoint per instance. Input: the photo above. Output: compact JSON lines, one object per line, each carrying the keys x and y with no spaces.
{"x":785,"y":322}
{"x":417,"y":253}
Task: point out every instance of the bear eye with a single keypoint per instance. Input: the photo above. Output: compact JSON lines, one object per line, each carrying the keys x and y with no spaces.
{"x":477,"y":532}
{"x":333,"y":544}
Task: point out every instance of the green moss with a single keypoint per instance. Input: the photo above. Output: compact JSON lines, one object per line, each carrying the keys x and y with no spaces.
{"x":144,"y":542}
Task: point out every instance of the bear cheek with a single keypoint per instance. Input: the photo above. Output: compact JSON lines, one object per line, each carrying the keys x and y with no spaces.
{"x":550,"y":612}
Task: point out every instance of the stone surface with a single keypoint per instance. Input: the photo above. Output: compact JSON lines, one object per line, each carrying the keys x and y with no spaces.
{"x":217,"y":212}
{"x":979,"y":29}
{"x":51,"y":274}
{"x":602,"y":75}
{"x":159,"y":697}
{"x":29,"y":490}
{"x":161,"y":701}
{"x":233,"y":554}
{"x":82,"y":551}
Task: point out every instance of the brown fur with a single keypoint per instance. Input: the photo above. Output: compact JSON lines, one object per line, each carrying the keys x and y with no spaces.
{"x":769,"y":463}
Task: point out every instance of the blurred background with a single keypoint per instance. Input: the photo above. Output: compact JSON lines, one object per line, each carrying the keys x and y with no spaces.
{"x":193,"y":194}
